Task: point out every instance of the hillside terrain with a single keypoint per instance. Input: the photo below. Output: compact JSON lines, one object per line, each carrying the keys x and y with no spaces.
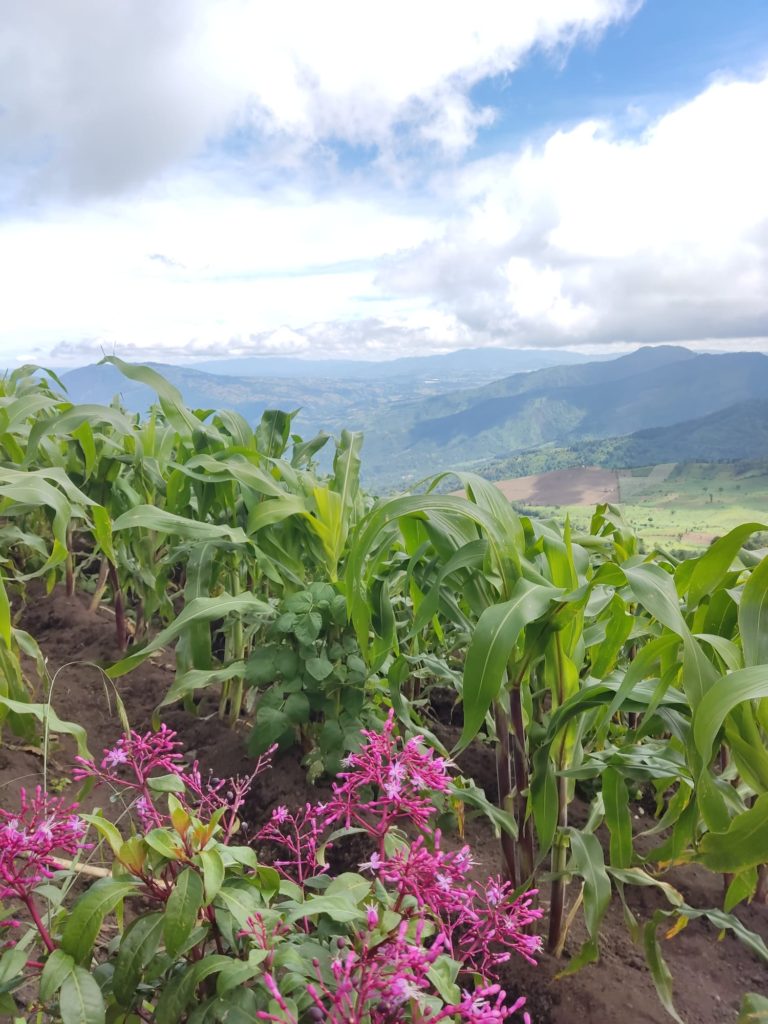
{"x":330,"y":394}
{"x":657,"y":405}
{"x":677,"y":506}
{"x":737,"y":433}
{"x":564,"y":406}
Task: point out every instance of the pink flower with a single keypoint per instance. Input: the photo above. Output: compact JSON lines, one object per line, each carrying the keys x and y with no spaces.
{"x":29,"y":838}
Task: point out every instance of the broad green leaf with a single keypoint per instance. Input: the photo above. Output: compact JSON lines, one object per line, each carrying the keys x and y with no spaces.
{"x":138,"y":946}
{"x":182,"y":909}
{"x":58,"y":965}
{"x":213,"y":873}
{"x":493,"y":641}
{"x":89,"y":911}
{"x":150,"y":518}
{"x":81,"y":1001}
{"x":730,"y":690}
{"x":753,"y":616}
{"x":662,"y":978}
{"x":47,"y":716}
{"x":712,"y":567}
{"x":753,"y":1010}
{"x":743,"y":845}
{"x":586,"y":860}
{"x":617,"y":817}
{"x":202,"y":609}
{"x":198,"y":679}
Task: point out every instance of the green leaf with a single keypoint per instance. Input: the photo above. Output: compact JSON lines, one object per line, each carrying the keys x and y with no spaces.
{"x":138,"y":946}
{"x":58,"y":965}
{"x":712,"y":567}
{"x":202,"y":609}
{"x":197,"y":679}
{"x":753,"y":616}
{"x":617,"y":817}
{"x":743,"y":845}
{"x":150,"y":518}
{"x":89,"y":911}
{"x":319,"y":668}
{"x":730,"y":690}
{"x":660,"y":973}
{"x":182,"y":909}
{"x":586,"y":860}
{"x":45,"y":714}
{"x":753,"y":1010}
{"x":81,"y":1001}
{"x":307,"y":627}
{"x":164,"y":843}
{"x":495,"y":636}
{"x":177,"y":996}
{"x":12,"y":964}
{"x":213,"y":873}
{"x":106,"y":830}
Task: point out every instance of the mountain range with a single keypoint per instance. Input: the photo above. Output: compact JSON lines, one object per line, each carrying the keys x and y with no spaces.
{"x":662,"y":403}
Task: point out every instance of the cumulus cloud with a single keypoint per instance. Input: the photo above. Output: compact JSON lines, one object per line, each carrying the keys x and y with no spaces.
{"x":99,"y":97}
{"x":593,"y":238}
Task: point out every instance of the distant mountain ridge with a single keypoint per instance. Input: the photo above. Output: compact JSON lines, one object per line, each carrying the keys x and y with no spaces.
{"x":491,"y":362}
{"x":736,"y":434}
{"x":649,"y":388}
{"x":662,"y":403}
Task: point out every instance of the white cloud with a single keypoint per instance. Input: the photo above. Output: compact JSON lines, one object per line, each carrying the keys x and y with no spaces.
{"x":104,"y":96}
{"x":137,"y":232}
{"x":593,"y":238}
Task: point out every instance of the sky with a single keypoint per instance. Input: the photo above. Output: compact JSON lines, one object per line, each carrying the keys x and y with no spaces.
{"x":202,"y":178}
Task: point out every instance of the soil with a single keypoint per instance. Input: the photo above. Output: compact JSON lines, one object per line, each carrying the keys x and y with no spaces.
{"x":711,"y":973}
{"x":588,"y":486}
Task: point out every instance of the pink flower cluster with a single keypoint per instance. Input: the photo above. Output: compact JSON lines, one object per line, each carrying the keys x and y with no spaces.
{"x":28,"y":841}
{"x":390,"y":783}
{"x":403,"y":778}
{"x":136,"y":758}
{"x":381,"y":981}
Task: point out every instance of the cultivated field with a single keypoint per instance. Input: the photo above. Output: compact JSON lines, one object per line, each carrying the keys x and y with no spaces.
{"x":672,"y":505}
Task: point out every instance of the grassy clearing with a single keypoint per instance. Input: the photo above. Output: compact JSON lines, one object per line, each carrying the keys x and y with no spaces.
{"x":684,"y":505}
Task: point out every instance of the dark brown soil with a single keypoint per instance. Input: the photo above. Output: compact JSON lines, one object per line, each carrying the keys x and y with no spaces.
{"x":710,"y":973}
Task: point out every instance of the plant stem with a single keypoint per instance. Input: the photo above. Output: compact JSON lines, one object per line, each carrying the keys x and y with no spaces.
{"x":504,"y":784}
{"x":556,"y":936}
{"x":121,"y":627}
{"x":558,"y":861}
{"x":237,"y":652}
{"x":761,"y":892}
{"x":101,"y":586}
{"x":520,"y":764}
{"x":70,"y":565}
{"x":35,"y":915}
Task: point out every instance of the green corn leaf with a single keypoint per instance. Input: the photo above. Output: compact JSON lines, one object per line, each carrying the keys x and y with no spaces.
{"x":743,"y":845}
{"x":150,"y":518}
{"x":47,"y":716}
{"x":753,"y":616}
{"x":202,"y":609}
{"x":617,"y":817}
{"x":495,"y":636}
{"x":662,"y":977}
{"x":587,"y":861}
{"x":730,"y":690}
{"x":712,"y":567}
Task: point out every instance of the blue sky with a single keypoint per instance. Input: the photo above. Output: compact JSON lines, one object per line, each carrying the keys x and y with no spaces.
{"x":197,"y":178}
